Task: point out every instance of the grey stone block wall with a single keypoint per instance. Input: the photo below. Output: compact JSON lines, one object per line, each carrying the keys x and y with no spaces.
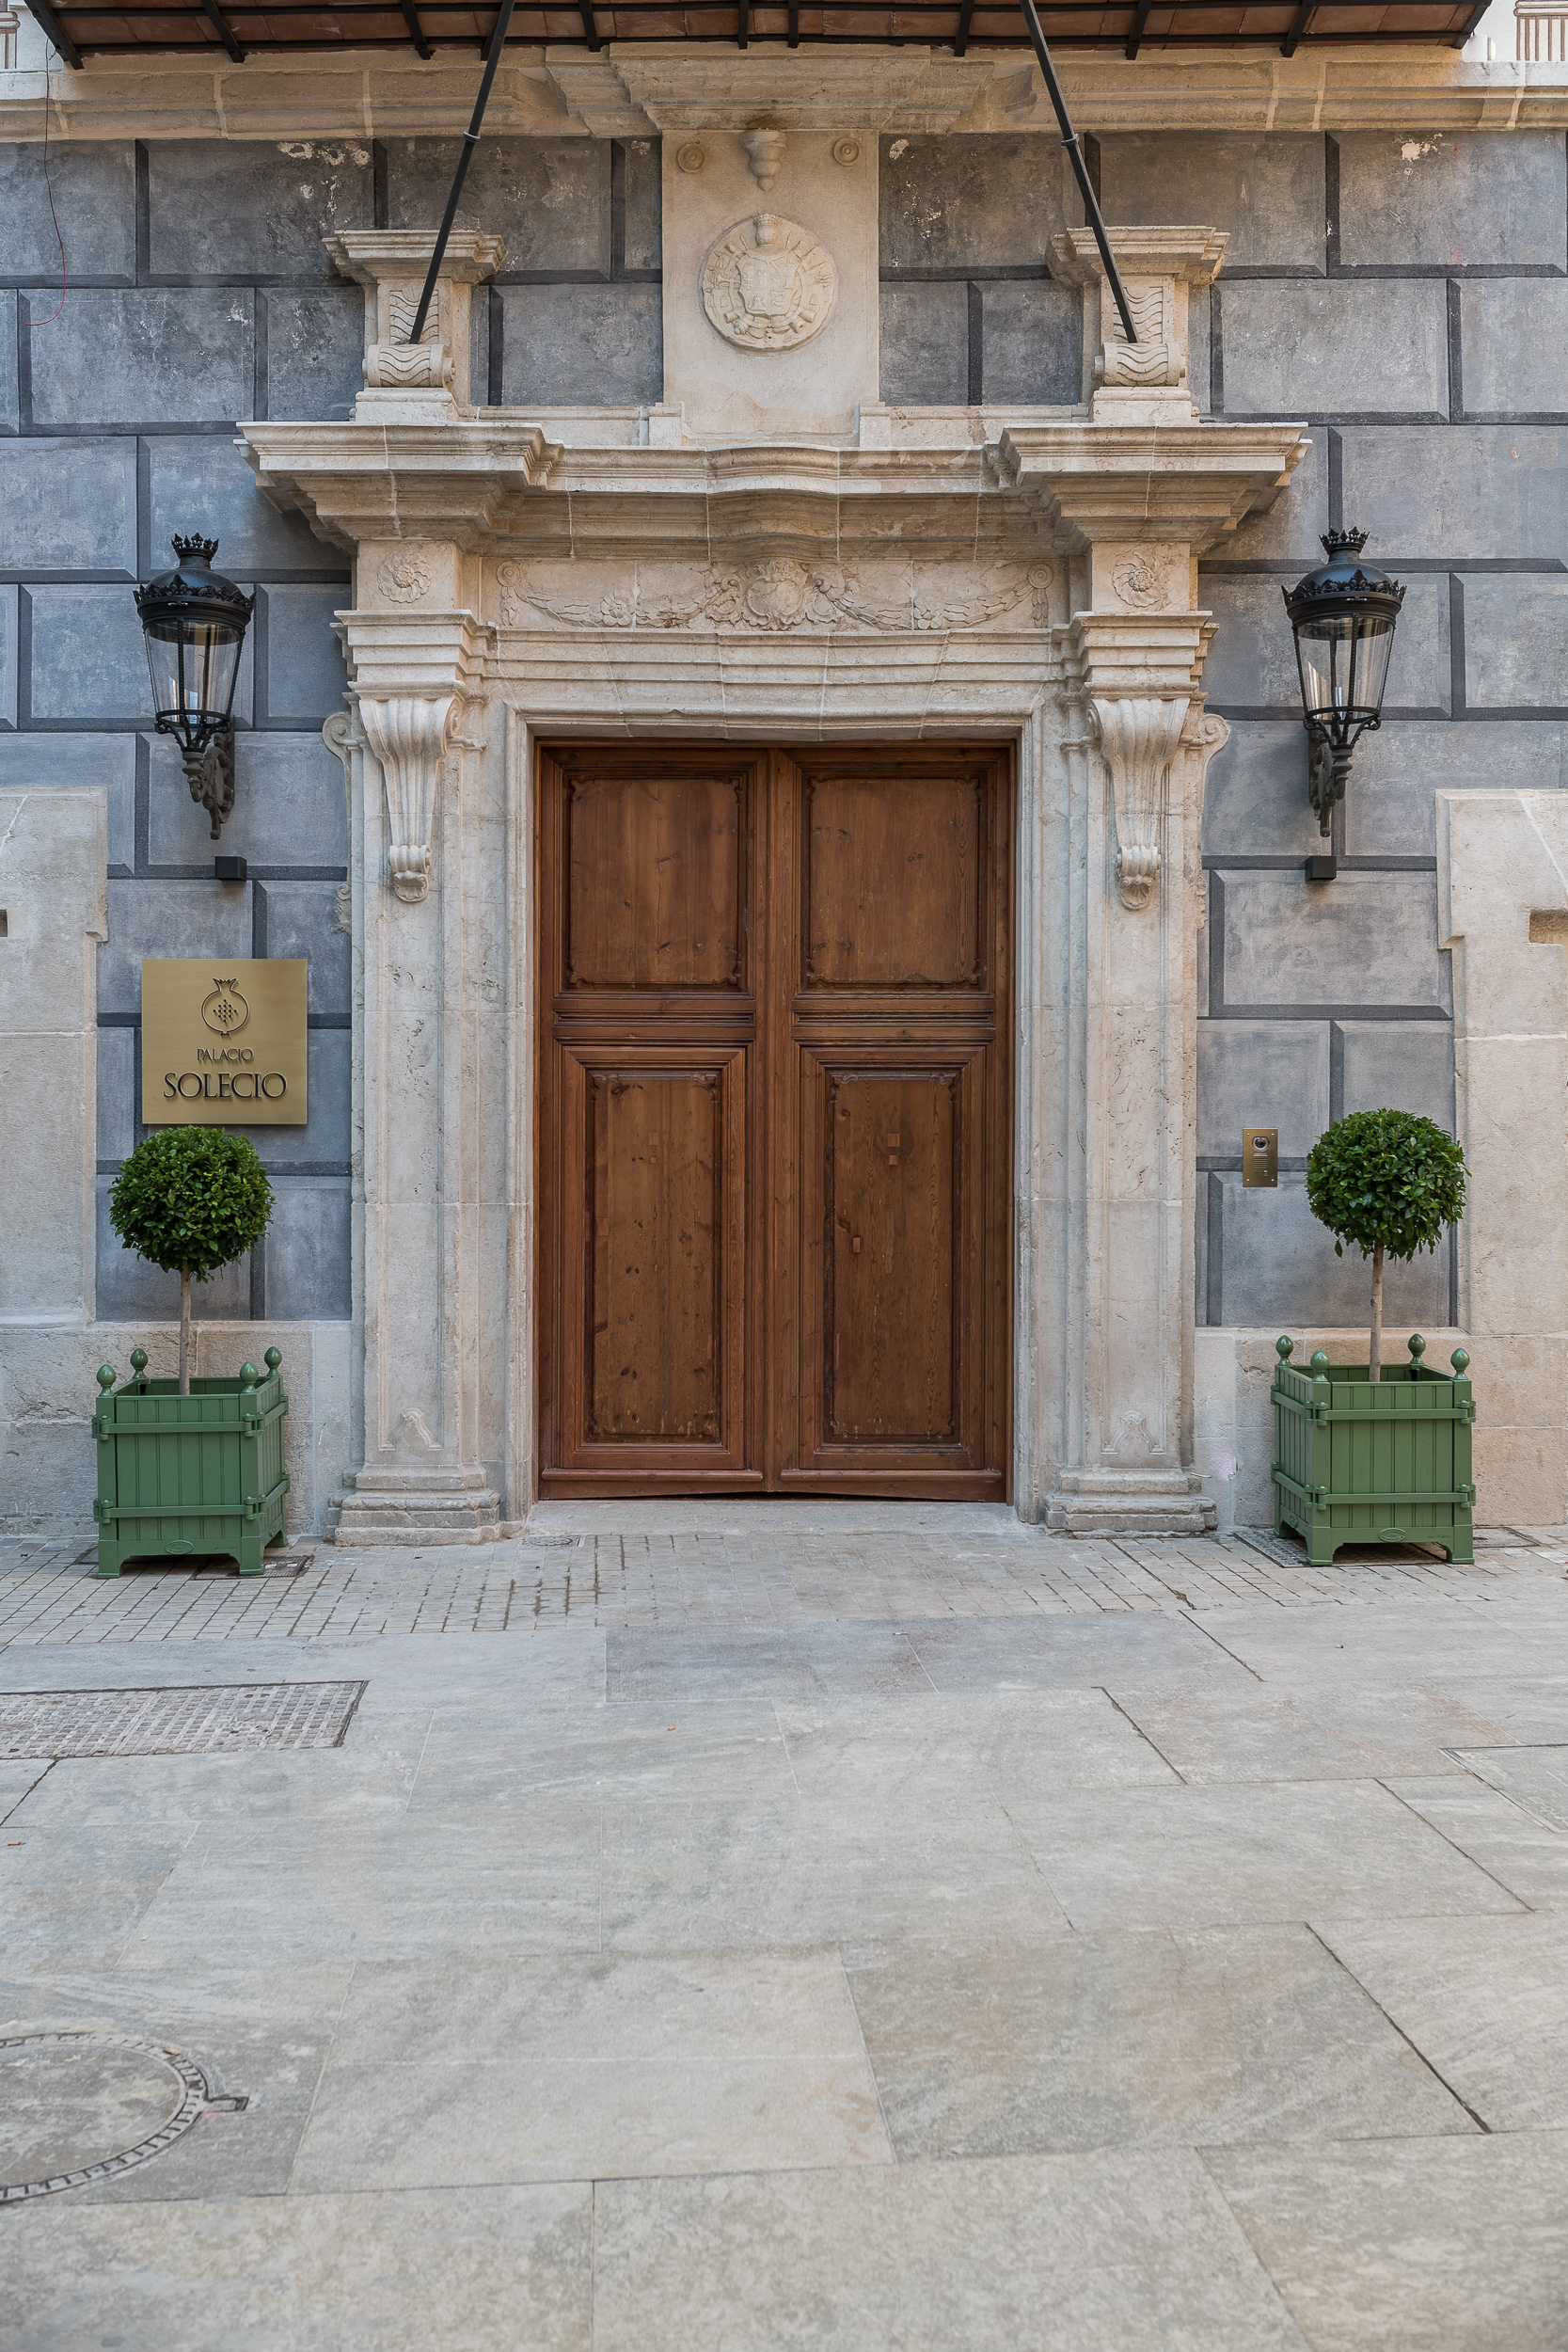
{"x":201,"y":296}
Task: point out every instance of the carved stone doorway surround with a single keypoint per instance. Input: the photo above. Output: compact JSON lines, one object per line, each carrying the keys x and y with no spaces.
{"x":934,"y":573}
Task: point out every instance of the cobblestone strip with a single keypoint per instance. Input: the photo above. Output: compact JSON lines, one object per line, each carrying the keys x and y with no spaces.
{"x":45,"y":1596}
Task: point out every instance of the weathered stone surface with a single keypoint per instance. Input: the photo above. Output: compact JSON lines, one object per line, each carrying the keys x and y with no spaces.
{"x":315,"y":345}
{"x":1031,"y":342}
{"x":9,"y":382}
{"x":1261,"y":1073}
{"x":326,"y":1134}
{"x":1293,"y":525}
{"x":301,"y":919}
{"x":288,"y":805}
{"x":1341,"y":349}
{"x":40,"y":762}
{"x":90,"y":184}
{"x":203,"y":483}
{"x":1266,"y":190}
{"x":1252,"y":665}
{"x":153,"y":357}
{"x":1471,"y":490}
{"x":1516,"y":642}
{"x":579,"y":347}
{"x":8,"y":657}
{"x":642,"y":202}
{"x":1389,"y":808}
{"x":164,"y":918}
{"x":1279,"y":1267}
{"x":548,"y":198}
{"x":925,"y":357}
{"x":70,"y":505}
{"x":1391,"y":1065}
{"x":1482,"y":196}
{"x":1371,"y":940}
{"x":131,"y":1290}
{"x":1257,"y":803}
{"x":970,"y":202}
{"x":118,"y":1106}
{"x":305,"y":674}
{"x":1513,"y":335}
{"x":248,"y":209}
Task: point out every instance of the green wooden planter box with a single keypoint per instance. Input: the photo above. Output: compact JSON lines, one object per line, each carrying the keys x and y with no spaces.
{"x":202,"y":1472}
{"x":1357,"y":1463}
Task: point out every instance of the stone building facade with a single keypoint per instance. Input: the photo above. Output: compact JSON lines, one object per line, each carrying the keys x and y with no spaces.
{"x":1393,"y":295}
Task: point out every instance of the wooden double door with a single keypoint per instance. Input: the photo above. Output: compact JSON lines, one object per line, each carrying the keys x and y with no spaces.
{"x":775,"y":1120}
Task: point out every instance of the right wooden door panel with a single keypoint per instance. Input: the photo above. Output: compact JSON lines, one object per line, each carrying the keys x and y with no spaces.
{"x":775,"y":1120}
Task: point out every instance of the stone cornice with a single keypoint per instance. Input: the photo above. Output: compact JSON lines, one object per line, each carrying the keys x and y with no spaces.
{"x":493,"y":487}
{"x":363,"y":94}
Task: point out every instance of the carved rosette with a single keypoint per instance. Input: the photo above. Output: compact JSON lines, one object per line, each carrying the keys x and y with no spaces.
{"x":1138,"y":737}
{"x":409,"y":738}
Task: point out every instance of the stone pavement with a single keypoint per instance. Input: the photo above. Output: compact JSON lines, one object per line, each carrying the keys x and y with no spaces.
{"x":891,"y":1933}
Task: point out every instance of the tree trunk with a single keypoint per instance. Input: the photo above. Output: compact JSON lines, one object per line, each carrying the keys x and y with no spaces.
{"x":1377,"y":1314}
{"x":185,"y":1327}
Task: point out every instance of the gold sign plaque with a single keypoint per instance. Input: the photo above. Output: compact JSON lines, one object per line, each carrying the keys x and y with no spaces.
{"x":223,"y":1044}
{"x":1260,"y":1157}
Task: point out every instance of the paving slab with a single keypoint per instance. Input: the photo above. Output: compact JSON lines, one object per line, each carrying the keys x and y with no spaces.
{"x":1122,"y":2252}
{"x":1411,"y":2246}
{"x":1500,"y":1834}
{"x":1328,"y":1732}
{"x":923,"y":1748}
{"x":1001,"y":2045}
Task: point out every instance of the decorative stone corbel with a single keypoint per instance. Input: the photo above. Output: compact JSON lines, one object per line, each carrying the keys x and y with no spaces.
{"x":1142,"y":382}
{"x":1138,"y":736}
{"x":409,"y":738}
{"x":764,"y":147}
{"x":407,"y":382}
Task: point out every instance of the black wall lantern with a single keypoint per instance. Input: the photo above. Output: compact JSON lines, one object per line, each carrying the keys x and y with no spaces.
{"x":194,"y":622}
{"x":1343,"y":616}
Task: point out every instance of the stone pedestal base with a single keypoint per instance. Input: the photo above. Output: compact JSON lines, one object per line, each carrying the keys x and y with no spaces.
{"x":1131,"y":1503}
{"x":418,"y":1508}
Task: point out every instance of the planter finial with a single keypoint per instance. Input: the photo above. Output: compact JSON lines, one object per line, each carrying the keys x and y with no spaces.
{"x":107,"y":1375}
{"x":248,"y":1375}
{"x":1418,"y":1346}
{"x":273,"y":1357}
{"x":138,"y":1360}
{"x":1319,"y":1366}
{"x":1284,"y":1349}
{"x":1460,"y":1359}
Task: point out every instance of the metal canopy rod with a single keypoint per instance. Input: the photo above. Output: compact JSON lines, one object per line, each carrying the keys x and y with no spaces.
{"x":226,"y":31}
{"x":470,"y":140}
{"x":1140,"y":24}
{"x":1070,"y":141}
{"x":589,"y":29}
{"x":960,"y":38}
{"x":55,"y":32}
{"x":1298,"y":25}
{"x":416,"y":30}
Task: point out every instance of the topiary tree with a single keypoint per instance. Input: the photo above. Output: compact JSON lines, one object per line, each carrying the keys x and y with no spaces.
{"x":191,"y":1199}
{"x":1390,"y":1181}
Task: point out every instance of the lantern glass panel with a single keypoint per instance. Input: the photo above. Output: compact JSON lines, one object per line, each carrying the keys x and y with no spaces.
{"x":193,"y":666}
{"x":1344,"y":663}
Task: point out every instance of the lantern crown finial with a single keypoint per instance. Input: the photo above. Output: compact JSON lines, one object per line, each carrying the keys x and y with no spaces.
{"x":1342,"y":543}
{"x":205,"y":549}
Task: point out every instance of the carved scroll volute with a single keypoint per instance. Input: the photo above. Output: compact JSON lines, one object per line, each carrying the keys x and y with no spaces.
{"x":1138,"y":739}
{"x":409,"y":738}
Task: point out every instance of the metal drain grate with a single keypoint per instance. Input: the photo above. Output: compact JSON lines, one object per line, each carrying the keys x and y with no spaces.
{"x":202,"y":1721}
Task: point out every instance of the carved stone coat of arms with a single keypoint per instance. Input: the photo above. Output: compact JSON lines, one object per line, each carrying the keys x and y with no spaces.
{"x":768,"y":284}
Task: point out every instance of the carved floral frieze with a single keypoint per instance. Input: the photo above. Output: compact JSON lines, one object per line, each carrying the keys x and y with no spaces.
{"x":781,"y":594}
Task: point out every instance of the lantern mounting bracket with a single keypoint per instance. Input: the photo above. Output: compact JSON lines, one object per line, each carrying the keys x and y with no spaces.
{"x":209,"y":773}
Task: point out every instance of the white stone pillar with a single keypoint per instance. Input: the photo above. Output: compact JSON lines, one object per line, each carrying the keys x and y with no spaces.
{"x":422,"y":724}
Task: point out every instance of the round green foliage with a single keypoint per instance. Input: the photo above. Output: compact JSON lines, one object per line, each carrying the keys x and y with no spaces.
{"x":191,"y":1197}
{"x":1385,"y":1176}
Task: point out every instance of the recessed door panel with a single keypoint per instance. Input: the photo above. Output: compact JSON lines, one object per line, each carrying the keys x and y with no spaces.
{"x":895,"y":882}
{"x":656,"y":880}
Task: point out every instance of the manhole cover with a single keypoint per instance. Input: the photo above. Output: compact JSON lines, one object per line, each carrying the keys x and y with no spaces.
{"x":82,"y":2106}
{"x":187,"y":1721}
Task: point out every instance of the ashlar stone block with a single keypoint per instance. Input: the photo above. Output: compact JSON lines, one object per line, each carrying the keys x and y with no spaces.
{"x":90,"y":182}
{"x":1460,"y":491}
{"x":325,"y":1135}
{"x":288,"y":805}
{"x":1279,"y":1267}
{"x":9,"y":601}
{"x":249,"y":209}
{"x":548,"y":198}
{"x":88,"y":661}
{"x":1292,"y":527}
{"x":201,"y":481}
{"x":1265,"y":188}
{"x":305,"y":673}
{"x":1513,"y":336}
{"x":1339,"y":349}
{"x":643,"y":203}
{"x":42,"y":762}
{"x":10,"y":382}
{"x":971,"y":201}
{"x":1391,"y":1065}
{"x":70,"y":506}
{"x":1390,"y":806}
{"x":1031,"y":342}
{"x":300,"y":919}
{"x":924,"y":345}
{"x":1456,"y":199}
{"x":1369,"y":940}
{"x":315,"y":349}
{"x":582,"y":346}
{"x":131,"y":1290}
{"x":162,"y":918}
{"x":1261,"y":1073}
{"x":1257,"y":803}
{"x":1516,"y":642}
{"x":1252,"y":662}
{"x":150,"y":357}
{"x":309,"y":1250}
